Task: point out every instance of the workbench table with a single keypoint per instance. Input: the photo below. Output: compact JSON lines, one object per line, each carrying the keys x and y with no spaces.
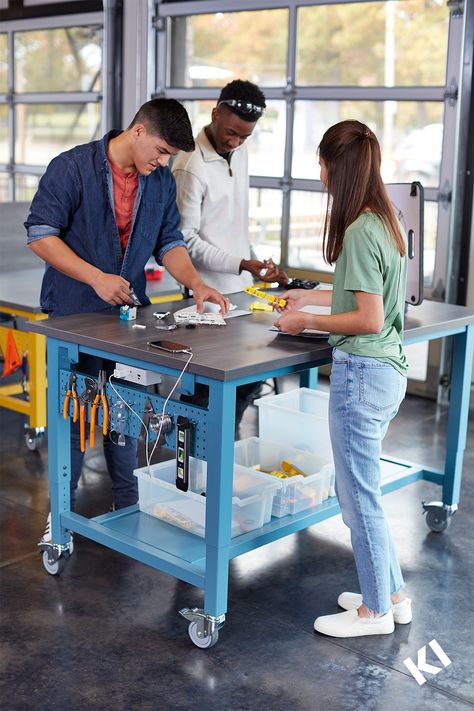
{"x":19,"y":298}
{"x":224,"y":357}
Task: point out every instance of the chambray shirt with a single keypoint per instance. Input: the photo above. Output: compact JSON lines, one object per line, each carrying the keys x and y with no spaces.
{"x":75,"y":202}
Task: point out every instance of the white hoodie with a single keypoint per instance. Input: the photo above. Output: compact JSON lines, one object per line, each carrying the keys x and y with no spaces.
{"x":213,"y":201}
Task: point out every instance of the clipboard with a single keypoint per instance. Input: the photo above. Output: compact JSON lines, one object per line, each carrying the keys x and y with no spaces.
{"x":408,"y":202}
{"x":307,"y":333}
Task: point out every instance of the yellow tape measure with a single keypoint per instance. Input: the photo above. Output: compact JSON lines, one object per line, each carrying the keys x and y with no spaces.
{"x":274,"y":300}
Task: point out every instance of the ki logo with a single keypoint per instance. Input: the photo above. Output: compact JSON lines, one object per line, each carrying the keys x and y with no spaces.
{"x":422,"y":666}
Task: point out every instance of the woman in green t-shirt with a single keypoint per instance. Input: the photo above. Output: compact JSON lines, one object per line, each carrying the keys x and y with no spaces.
{"x":364,"y":239}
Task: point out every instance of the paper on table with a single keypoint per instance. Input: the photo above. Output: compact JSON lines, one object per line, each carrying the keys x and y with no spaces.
{"x":210,"y":308}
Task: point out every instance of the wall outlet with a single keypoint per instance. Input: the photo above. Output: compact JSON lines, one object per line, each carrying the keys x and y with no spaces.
{"x":136,"y":375}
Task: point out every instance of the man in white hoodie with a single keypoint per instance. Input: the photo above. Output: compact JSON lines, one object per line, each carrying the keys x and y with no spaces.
{"x":212,"y":195}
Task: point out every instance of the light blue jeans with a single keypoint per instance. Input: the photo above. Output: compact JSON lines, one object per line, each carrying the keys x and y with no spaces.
{"x":365,"y":395}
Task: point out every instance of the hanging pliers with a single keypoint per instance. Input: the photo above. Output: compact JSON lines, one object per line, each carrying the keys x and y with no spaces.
{"x":100,"y":395}
{"x":71,"y":393}
{"x":87,"y":396}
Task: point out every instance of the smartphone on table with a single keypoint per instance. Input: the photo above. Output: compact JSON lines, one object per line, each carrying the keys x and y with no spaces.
{"x":169,"y":346}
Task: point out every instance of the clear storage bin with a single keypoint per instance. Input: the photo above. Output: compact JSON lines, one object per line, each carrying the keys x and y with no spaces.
{"x":298,"y":418}
{"x":252,"y":497}
{"x":298,"y":492}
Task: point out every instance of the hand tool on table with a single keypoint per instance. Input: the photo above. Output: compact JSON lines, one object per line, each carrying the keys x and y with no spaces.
{"x":101,"y":397}
{"x":87,"y":396}
{"x":71,"y":393}
{"x":273,"y":300}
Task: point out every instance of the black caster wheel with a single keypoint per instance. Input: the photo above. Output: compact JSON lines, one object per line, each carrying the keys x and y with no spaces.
{"x":55,"y":568}
{"x":437,"y":520}
{"x":202,"y":642}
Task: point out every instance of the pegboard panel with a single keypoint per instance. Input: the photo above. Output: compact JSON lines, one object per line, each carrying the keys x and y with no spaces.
{"x":135,"y":397}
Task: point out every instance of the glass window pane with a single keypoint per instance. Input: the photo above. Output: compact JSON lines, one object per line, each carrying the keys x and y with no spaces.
{"x":307,"y":214}
{"x":4,"y":157}
{"x":4,"y":197}
{"x":44,"y":130}
{"x":3,"y":64}
{"x":265,"y":208}
{"x":199,"y":113}
{"x":211,"y":50}
{"x":25,"y":187}
{"x":410,"y":135}
{"x":63,"y":59}
{"x":373,"y":44}
{"x":265,"y":146}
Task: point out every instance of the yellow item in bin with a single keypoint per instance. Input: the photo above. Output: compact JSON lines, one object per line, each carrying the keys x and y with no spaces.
{"x":290,"y":469}
{"x":171,"y":515}
{"x":280,"y":475}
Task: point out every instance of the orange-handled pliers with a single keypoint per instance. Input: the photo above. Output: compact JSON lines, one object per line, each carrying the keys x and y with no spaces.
{"x":100,"y":395}
{"x":71,"y":393}
{"x":87,"y":396}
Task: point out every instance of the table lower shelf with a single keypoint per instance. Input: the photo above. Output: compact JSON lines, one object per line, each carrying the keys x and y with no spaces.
{"x":183,"y":554}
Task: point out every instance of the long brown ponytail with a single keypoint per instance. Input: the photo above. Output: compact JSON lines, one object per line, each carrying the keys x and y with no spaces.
{"x":351,"y":154}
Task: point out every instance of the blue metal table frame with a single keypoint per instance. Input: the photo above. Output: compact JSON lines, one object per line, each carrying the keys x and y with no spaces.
{"x":205,"y":562}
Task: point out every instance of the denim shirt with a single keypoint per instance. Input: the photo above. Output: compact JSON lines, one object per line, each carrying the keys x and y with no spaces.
{"x":75,"y":202}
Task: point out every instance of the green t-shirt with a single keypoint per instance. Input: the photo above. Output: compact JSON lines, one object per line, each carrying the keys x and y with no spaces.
{"x":369,"y":261}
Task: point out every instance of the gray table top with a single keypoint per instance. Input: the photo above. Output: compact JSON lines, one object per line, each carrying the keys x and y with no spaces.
{"x":20,"y":288}
{"x":244,"y":347}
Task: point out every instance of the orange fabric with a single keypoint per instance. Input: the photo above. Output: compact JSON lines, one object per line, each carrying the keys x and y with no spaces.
{"x":125,"y":192}
{"x":12,"y":357}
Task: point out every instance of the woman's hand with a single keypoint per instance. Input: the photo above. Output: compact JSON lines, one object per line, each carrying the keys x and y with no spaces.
{"x":293,"y":323}
{"x":295,"y":300}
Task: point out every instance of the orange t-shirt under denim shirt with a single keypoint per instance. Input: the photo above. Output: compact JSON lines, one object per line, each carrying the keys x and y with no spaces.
{"x":125,"y":192}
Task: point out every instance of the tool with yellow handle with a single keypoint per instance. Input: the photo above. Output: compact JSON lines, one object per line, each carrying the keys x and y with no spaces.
{"x":274,"y":300}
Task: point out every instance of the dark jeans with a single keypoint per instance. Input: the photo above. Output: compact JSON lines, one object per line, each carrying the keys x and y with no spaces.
{"x":121,"y":461}
{"x":244,"y":397}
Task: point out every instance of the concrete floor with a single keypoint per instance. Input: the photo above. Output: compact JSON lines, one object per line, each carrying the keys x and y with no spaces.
{"x":106,"y":633}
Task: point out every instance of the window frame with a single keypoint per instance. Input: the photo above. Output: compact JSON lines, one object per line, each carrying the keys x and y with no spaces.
{"x":166,"y":11}
{"x":11,"y":98}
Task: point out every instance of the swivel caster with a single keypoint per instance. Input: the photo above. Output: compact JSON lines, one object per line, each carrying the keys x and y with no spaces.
{"x":34,"y":437}
{"x":55,"y":567}
{"x":203,"y":629}
{"x":197,"y":638}
{"x":438,"y":515}
{"x":55,"y":556}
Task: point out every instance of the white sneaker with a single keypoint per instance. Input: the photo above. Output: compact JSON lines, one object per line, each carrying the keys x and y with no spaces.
{"x":349,"y":624}
{"x":401,"y":610}
{"x":46,"y":537}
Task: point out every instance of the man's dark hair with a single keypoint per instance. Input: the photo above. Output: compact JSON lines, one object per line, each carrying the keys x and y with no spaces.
{"x":247,"y":92}
{"x":168,"y":119}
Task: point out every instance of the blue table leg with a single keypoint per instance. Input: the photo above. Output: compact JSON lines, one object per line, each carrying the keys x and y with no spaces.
{"x":220,"y":468}
{"x":59,"y":443}
{"x":309,"y":378}
{"x":463,"y":351}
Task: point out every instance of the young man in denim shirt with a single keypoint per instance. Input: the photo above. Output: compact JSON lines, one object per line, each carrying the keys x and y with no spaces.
{"x":101,"y":210}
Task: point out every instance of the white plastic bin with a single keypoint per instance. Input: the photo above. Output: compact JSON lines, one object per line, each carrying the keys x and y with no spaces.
{"x":298,"y":418}
{"x":297,"y":493}
{"x":252,"y":497}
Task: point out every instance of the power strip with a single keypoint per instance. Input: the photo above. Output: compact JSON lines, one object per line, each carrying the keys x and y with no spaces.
{"x":136,"y":375}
